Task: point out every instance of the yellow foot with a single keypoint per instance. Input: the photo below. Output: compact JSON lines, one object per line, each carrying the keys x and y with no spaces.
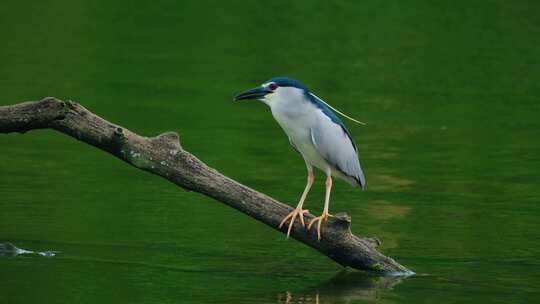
{"x":319,"y":219}
{"x":292,"y":216}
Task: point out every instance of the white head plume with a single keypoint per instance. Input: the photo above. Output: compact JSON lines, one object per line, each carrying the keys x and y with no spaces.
{"x":339,"y":112}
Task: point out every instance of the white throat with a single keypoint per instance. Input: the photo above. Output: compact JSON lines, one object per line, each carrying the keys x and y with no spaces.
{"x":284,"y":97}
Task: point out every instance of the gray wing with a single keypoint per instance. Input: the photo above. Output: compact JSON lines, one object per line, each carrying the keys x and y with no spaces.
{"x":337,"y":148}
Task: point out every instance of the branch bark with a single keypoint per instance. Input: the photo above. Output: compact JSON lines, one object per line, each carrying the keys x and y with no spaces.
{"x":162,"y":155}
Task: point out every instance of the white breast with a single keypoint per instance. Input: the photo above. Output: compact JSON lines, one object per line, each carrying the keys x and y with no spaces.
{"x":297,"y":117}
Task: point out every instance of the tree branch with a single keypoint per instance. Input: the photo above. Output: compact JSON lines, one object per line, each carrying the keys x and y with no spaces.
{"x":163,"y":156}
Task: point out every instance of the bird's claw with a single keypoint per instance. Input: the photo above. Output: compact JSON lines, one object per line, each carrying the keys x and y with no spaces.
{"x":292,"y":216}
{"x":319,"y":219}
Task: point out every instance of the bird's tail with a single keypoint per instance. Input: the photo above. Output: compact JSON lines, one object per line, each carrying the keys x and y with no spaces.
{"x":361,"y":180}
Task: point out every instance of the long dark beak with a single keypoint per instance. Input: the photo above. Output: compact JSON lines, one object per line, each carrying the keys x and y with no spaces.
{"x":256,"y":93}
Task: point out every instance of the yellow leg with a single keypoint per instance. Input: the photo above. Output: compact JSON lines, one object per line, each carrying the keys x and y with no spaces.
{"x":324,"y":216}
{"x":299,"y":211}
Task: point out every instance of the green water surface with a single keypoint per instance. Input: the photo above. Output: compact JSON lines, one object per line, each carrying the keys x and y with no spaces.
{"x":450,"y":90}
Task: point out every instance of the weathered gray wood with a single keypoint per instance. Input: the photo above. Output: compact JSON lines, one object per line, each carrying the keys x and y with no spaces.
{"x":162,"y":155}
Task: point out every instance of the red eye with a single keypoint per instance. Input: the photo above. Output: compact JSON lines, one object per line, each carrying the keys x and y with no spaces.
{"x":272,"y":86}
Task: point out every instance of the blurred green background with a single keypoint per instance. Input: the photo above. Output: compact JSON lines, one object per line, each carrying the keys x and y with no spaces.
{"x":450,"y":90}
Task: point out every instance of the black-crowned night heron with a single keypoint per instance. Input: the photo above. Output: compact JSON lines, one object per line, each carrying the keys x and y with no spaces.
{"x":316,"y":132}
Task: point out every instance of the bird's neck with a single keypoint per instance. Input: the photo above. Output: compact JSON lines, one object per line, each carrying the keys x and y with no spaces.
{"x":291,"y":111}
{"x":287,"y":101}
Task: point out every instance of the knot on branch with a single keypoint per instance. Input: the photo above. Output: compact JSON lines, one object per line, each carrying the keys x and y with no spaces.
{"x":118,"y":140}
{"x":54,"y":104}
{"x":169,"y":140}
{"x":341,"y":221}
{"x":50,"y":100}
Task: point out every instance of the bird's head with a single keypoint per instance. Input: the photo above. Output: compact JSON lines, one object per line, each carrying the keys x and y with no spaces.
{"x":274,"y":90}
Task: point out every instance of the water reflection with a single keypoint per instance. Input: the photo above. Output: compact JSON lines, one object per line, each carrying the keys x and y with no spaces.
{"x":345,"y":287}
{"x":10,"y":250}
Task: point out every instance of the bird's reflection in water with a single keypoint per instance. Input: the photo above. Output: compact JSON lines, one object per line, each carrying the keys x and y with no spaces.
{"x":345,"y":287}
